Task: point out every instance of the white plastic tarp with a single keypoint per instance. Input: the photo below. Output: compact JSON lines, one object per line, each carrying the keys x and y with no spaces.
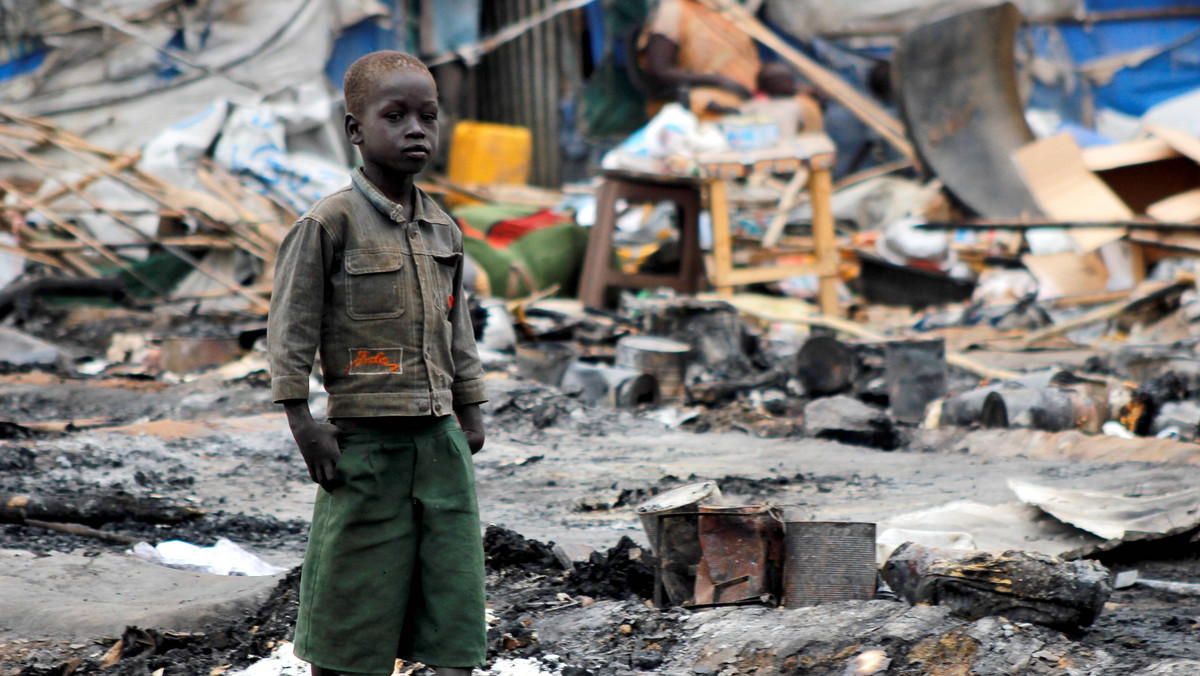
{"x":806,"y":18}
{"x":271,"y":141}
{"x":248,"y":50}
{"x":1008,"y":526}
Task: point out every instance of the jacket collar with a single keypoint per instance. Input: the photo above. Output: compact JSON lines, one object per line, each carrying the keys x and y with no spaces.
{"x":424,"y":208}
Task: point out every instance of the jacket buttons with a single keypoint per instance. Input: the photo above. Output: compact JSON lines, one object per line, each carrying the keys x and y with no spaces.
{"x":423,"y":406}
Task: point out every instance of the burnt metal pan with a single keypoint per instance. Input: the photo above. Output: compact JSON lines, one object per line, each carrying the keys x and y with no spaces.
{"x":959,"y":100}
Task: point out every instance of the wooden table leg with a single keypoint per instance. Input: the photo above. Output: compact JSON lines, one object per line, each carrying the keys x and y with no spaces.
{"x":597,"y":260}
{"x":820,"y":189}
{"x":722,"y":244}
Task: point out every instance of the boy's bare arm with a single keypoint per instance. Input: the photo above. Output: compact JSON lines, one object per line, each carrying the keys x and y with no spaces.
{"x":470,"y":419}
{"x":317,"y":442}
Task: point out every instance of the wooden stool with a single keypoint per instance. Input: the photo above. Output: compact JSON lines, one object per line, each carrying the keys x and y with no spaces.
{"x":598,"y":273}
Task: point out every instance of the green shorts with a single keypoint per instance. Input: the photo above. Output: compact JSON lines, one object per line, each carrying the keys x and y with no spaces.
{"x":394,"y":565}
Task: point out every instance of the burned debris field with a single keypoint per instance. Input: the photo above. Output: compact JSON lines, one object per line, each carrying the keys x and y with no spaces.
{"x":776,"y":337}
{"x":145,"y":457}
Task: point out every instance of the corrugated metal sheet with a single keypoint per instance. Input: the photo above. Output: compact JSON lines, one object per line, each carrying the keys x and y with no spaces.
{"x":524,"y":81}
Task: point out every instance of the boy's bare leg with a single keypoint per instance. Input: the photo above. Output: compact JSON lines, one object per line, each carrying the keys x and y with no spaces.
{"x":321,"y":671}
{"x":440,"y":671}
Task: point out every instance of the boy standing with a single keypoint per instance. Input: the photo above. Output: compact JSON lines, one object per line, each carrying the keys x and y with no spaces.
{"x":371,"y":277}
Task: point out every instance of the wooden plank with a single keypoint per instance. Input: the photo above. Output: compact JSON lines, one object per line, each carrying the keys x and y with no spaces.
{"x":271,"y":226}
{"x":1065,"y":189}
{"x":722,"y":246}
{"x":873,"y":172}
{"x":787,"y":201}
{"x":820,"y":188}
{"x":45,"y":131}
{"x":258,"y":289}
{"x":119,"y":164}
{"x":260,"y":246}
{"x":766,"y":273}
{"x":199,"y":266}
{"x":81,"y":265}
{"x":94,"y":244}
{"x":198,"y":241}
{"x":748,"y":304}
{"x":34,"y":256}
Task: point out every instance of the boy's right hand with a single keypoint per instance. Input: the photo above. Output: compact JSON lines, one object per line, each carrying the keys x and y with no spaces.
{"x":317,"y":443}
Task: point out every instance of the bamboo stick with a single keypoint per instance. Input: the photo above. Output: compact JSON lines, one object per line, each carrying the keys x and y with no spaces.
{"x":85,"y":531}
{"x":1100,"y":314}
{"x":200,"y":267}
{"x":95,"y":245}
{"x":119,"y":164}
{"x":204,"y":241}
{"x":263,"y":248}
{"x":789,"y":199}
{"x":955,"y":359}
{"x":44,"y":259}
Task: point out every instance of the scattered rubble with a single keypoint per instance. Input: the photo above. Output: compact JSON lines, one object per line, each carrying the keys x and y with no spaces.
{"x":850,"y":421}
{"x":1009,"y":293}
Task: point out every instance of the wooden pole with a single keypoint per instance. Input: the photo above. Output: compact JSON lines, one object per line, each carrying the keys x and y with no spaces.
{"x":820,"y":188}
{"x":722,"y":245}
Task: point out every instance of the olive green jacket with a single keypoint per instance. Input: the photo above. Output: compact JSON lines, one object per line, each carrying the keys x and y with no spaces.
{"x":380,"y":296}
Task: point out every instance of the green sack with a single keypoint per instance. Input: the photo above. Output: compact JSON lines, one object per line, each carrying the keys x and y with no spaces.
{"x":541,"y":259}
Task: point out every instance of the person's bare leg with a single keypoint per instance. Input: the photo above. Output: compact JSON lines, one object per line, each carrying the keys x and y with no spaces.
{"x":322,"y":671}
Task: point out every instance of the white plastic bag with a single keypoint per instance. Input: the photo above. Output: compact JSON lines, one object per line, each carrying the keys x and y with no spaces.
{"x":223,"y":558}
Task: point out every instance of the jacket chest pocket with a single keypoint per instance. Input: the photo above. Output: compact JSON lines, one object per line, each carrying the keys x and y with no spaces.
{"x":445,"y":267}
{"x":374,"y":289}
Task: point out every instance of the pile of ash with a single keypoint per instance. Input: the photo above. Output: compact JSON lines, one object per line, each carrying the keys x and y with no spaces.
{"x":239,"y":642}
{"x":618,"y":573}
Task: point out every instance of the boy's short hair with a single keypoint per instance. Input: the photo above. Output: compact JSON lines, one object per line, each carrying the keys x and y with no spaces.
{"x":369,"y":67}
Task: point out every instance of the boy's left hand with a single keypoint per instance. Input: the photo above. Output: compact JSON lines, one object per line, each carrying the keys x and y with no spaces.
{"x":470,"y":419}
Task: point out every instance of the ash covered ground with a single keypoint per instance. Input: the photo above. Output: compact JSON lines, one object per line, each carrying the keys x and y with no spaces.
{"x":554,"y":471}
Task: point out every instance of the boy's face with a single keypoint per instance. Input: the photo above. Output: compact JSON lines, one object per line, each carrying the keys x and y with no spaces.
{"x":397,"y":129}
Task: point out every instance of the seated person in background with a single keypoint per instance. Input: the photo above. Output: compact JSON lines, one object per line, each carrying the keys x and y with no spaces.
{"x":692,"y":54}
{"x":778,"y":96}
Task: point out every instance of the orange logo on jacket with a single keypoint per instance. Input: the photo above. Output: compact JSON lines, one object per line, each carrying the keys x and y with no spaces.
{"x":365,"y":358}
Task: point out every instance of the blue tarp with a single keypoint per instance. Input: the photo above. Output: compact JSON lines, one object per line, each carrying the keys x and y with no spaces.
{"x":20,"y":58}
{"x":1171,"y":66}
{"x":1166,"y":61}
{"x":354,"y":41}
{"x":456,"y":25}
